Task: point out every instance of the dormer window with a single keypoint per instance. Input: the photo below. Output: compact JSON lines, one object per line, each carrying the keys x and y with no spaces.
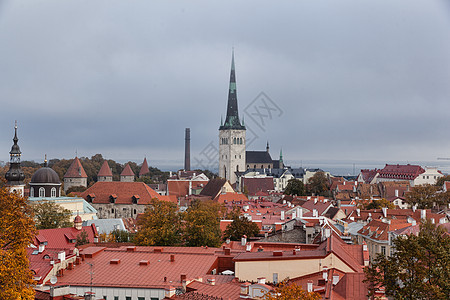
{"x":135,"y":199}
{"x":112,"y":198}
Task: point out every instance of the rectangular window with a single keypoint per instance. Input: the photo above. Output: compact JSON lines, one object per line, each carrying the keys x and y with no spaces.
{"x":154,"y":298}
{"x":383,"y":250}
{"x":105,"y":298}
{"x":141,"y":298}
{"x":116,"y":297}
{"x":127,"y":298}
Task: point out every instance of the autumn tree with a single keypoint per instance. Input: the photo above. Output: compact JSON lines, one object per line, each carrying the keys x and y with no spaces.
{"x":318,"y":184}
{"x":239,"y":227}
{"x":378,"y":204}
{"x":16,"y":233}
{"x":290,"y":291}
{"x":160,"y":225}
{"x":48,"y":215}
{"x":418,"y":269}
{"x":202,"y":224}
{"x":295,"y":187}
{"x":424,"y":196}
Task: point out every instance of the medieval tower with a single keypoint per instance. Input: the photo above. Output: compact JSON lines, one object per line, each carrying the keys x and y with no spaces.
{"x":231,"y":136}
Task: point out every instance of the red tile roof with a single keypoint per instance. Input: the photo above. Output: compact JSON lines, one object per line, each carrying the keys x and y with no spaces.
{"x":105,"y":170}
{"x":144,"y":169}
{"x":160,"y":272}
{"x":401,"y":172}
{"x":60,"y":237}
{"x":75,"y":170}
{"x":253,"y":185}
{"x":368,"y":175}
{"x":127,"y":171}
{"x":100,"y":192}
{"x":226,"y":290}
{"x":180,"y":188}
{"x":230,"y":197}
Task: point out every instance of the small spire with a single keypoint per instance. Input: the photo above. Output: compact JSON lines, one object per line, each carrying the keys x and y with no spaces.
{"x":45,"y":160}
{"x":281,"y":154}
{"x":15,"y":139}
{"x":267,"y":147}
{"x":221,"y":120}
{"x":232,"y":59}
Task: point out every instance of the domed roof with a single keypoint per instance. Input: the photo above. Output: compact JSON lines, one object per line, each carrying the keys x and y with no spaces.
{"x":45,"y":175}
{"x":77,"y":219}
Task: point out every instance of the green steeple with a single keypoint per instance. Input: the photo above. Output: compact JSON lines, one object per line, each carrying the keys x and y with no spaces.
{"x":232,"y":120}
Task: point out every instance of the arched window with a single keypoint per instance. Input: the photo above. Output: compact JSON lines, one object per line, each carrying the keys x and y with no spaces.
{"x":237,"y":168}
{"x":262,"y":166}
{"x":240,"y":140}
{"x":225,"y":171}
{"x":53,"y":192}
{"x":41,"y":192}
{"x":234,"y":140}
{"x":32,"y":192}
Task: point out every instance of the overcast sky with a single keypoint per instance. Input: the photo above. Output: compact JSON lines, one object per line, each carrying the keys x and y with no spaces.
{"x":350,"y":80}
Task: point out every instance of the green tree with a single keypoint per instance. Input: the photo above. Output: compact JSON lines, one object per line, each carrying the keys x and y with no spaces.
{"x":82,"y":238}
{"x":441,"y":180}
{"x":202,"y":224}
{"x":295,"y":187}
{"x":424,"y":196}
{"x":121,"y":236}
{"x":239,"y":227}
{"x":48,"y":215}
{"x":16,"y":233}
{"x":160,"y":225}
{"x":418,"y":269}
{"x":318,"y":184}
{"x":290,"y":291}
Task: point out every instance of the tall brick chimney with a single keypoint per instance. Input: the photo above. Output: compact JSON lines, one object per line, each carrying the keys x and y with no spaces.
{"x":187,"y":150}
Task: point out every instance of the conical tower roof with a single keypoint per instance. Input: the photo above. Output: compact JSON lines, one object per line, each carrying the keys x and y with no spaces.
{"x":232,"y":120}
{"x":75,"y":170}
{"x":144,"y":169}
{"x":105,"y":170}
{"x":127,"y":171}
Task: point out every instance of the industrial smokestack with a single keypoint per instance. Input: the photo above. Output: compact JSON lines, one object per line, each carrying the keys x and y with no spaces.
{"x":187,"y":150}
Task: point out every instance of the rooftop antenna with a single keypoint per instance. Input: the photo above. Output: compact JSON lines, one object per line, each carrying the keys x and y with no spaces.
{"x":91,"y":266}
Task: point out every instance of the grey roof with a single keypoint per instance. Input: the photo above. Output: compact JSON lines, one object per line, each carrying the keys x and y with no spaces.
{"x":252,"y":157}
{"x":106,"y":225}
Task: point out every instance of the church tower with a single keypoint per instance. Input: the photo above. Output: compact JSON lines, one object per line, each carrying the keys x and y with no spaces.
{"x":231,"y":136}
{"x":15,"y":175}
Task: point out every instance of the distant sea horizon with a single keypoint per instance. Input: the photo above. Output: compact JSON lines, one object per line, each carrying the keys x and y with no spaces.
{"x":335,"y":167}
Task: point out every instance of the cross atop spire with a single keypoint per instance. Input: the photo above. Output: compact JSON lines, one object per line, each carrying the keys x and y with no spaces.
{"x":232,"y":120}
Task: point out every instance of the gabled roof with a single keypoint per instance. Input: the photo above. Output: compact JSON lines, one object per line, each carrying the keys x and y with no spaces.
{"x":127,"y":171}
{"x":401,"y":172}
{"x":123,"y":192}
{"x":213,"y":187}
{"x":144,"y":169}
{"x":60,"y":237}
{"x":75,"y":170}
{"x":105,"y":170}
{"x":252,"y":157}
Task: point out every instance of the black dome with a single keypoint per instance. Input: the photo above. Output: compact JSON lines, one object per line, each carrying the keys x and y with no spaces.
{"x":45,"y":175}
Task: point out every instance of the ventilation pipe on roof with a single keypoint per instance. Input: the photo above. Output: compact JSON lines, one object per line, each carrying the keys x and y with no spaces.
{"x":396,"y":193}
{"x":414,"y":207}
{"x":243,"y":240}
{"x":172,"y":257}
{"x":315,"y":213}
{"x":299,"y":212}
{"x":335,"y":279}
{"x":423,"y":214}
{"x":282,"y":215}
{"x":310,"y":286}
{"x":294,"y":214}
{"x":325,"y":273}
{"x":262,"y":280}
{"x":384,"y":210}
{"x":315,"y":200}
{"x":212,"y":281}
{"x":358,"y":212}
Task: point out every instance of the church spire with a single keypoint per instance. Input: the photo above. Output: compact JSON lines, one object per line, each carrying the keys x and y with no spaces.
{"x":15,"y":175}
{"x":232,"y":120}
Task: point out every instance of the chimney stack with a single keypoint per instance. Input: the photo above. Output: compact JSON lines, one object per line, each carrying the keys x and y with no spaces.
{"x":187,"y":150}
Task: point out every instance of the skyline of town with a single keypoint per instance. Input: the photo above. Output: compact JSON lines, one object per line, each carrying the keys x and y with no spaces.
{"x":106,"y":89}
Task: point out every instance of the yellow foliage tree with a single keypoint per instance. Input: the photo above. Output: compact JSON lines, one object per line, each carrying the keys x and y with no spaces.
{"x":290,"y":291}
{"x":16,"y":232}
